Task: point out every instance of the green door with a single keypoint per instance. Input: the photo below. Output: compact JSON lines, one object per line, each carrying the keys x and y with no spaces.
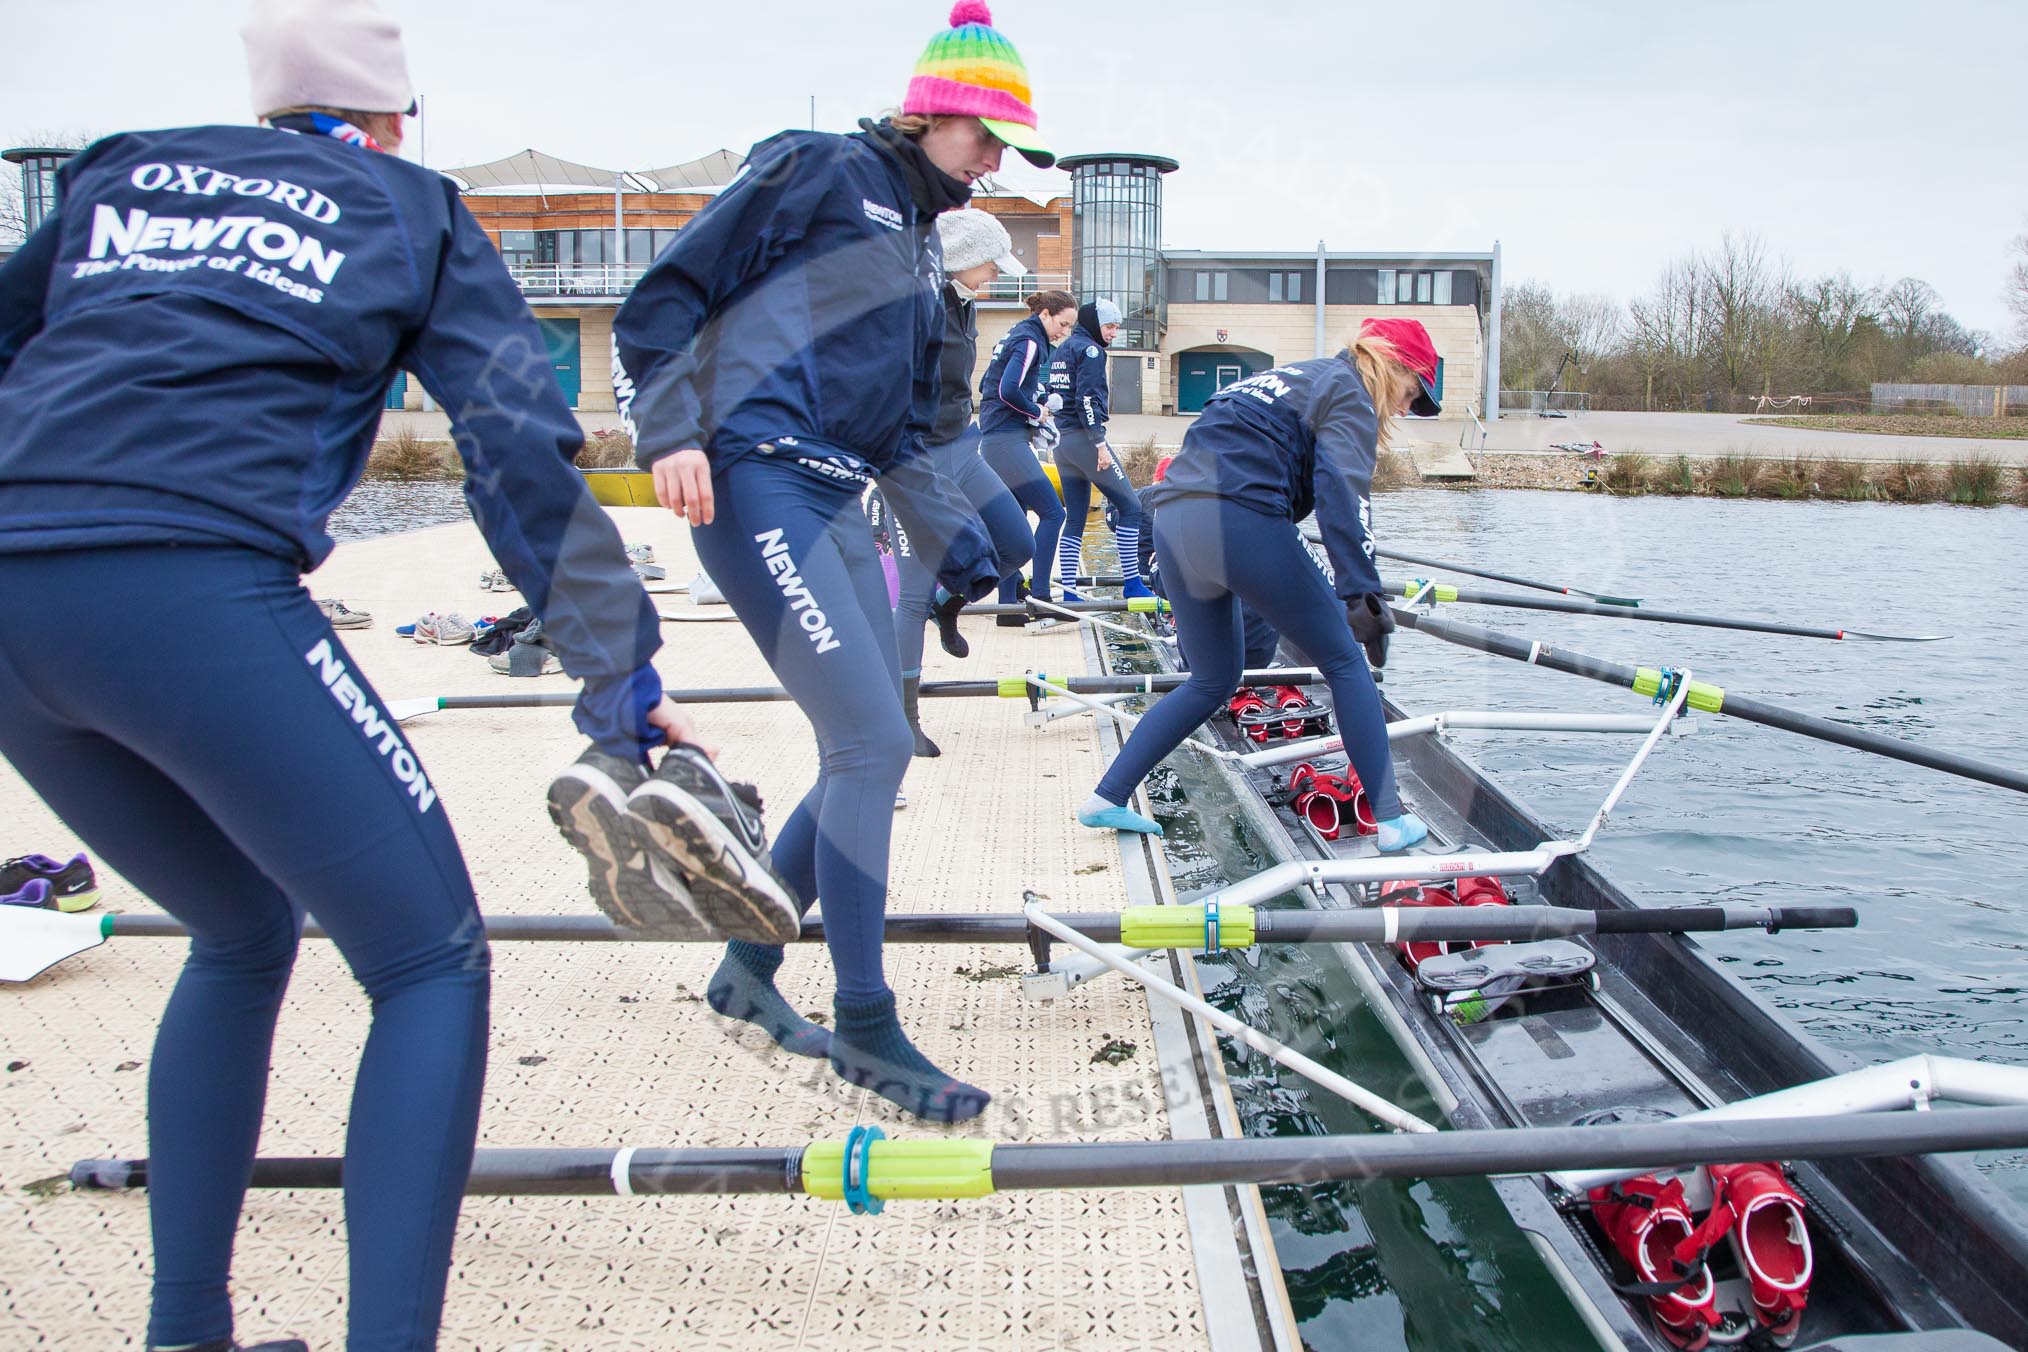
{"x":560,"y":337}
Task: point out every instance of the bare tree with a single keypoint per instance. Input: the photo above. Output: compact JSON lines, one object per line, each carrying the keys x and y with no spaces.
{"x":1746,"y":292}
{"x":1667,"y":331}
{"x":1830,"y":315}
{"x":2016,"y":293}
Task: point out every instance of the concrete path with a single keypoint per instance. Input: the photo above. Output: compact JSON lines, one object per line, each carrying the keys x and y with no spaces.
{"x":1692,"y":434}
{"x":1714,"y":434}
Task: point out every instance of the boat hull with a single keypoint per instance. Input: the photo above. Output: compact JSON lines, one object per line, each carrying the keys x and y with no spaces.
{"x":620,"y":487}
{"x":1903,"y":1244}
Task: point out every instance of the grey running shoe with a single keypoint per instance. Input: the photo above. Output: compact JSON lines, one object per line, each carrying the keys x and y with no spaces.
{"x":528,"y":655}
{"x":343,"y":616}
{"x":588,"y":803}
{"x":445,"y":629}
{"x":696,"y":823}
{"x":640,"y":553}
{"x":705,"y":592}
{"x":494,"y":580}
{"x":650,"y":572}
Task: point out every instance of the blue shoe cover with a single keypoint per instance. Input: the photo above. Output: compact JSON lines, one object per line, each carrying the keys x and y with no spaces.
{"x":1136,"y":590}
{"x":1399,"y":833}
{"x":1114,"y":818}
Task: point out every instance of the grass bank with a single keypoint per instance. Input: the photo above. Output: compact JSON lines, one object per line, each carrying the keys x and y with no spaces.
{"x":405,"y":457}
{"x":1907,"y":425}
{"x":1970,"y":481}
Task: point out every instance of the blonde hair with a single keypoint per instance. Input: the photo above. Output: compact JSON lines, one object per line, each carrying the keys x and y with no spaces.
{"x":1387,"y":379}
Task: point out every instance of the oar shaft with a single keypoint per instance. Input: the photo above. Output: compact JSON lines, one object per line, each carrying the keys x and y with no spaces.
{"x":1469,"y":596}
{"x":1713,"y":699}
{"x":1184,"y":926}
{"x":927,"y":1168}
{"x":1623,"y":601}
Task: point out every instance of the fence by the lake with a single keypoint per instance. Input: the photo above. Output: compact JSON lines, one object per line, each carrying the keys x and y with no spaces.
{"x":1973,"y":401}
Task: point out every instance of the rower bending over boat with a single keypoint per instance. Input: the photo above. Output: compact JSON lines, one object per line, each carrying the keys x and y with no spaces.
{"x":977,"y":249}
{"x":743,"y":365}
{"x":1261,"y":456}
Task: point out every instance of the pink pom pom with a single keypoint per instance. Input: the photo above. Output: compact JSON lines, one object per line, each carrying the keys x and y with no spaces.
{"x":971,"y":11}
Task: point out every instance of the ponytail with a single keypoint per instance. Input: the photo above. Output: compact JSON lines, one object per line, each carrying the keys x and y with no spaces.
{"x":1387,"y":379}
{"x":1049,"y":302}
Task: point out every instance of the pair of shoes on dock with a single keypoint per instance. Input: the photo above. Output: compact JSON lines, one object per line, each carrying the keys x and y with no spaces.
{"x":227,"y":1345}
{"x":679,"y":854}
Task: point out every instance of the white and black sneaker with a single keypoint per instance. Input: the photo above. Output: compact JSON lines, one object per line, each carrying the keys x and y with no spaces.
{"x":588,"y":803}
{"x":695,"y":823}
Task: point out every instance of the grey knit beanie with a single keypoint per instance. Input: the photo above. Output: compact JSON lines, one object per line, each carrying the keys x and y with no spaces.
{"x":972,"y":237}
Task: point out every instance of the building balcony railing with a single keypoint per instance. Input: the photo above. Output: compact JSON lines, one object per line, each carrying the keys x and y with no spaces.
{"x":577,"y":279}
{"x":1021,"y":288}
{"x":615,"y":280}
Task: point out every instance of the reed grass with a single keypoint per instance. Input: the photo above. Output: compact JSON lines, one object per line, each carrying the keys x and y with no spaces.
{"x":1974,"y":481}
{"x":2021,"y":485}
{"x":1393,"y":469}
{"x":1911,"y":481}
{"x":1790,"y":479}
{"x":1138,"y":461}
{"x":1626,"y":475}
{"x":1846,"y":480}
{"x":1678,"y":479}
{"x":408,"y":457}
{"x":1732,"y":475}
{"x":608,"y":448}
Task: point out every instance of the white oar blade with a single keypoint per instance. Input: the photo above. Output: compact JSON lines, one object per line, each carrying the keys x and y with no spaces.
{"x":401,"y":710}
{"x":661,"y":588}
{"x":1894,"y":638}
{"x":33,"y":940}
{"x":712,"y":616}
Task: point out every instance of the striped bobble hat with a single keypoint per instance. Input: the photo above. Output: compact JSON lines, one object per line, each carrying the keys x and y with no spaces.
{"x":970,"y":69}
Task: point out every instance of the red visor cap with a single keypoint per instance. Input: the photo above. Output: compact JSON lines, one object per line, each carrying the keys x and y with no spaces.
{"x":1411,"y":343}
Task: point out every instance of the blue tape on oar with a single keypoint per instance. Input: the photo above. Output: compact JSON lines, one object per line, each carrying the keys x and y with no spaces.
{"x":1211,"y":926}
{"x":859,"y":1171}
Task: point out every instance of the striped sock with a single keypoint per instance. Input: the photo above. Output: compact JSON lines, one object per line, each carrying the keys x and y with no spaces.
{"x":1069,"y":560}
{"x":1129,"y":540}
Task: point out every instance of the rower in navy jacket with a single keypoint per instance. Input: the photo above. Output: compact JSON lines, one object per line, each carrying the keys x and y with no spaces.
{"x":194,"y":354}
{"x":1263,"y":455}
{"x":1077,"y":373}
{"x":779,"y":356}
{"x":976,"y":249}
{"x":1014,"y":416}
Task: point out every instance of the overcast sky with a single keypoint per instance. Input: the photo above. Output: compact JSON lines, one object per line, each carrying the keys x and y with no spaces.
{"x":1596,"y":139}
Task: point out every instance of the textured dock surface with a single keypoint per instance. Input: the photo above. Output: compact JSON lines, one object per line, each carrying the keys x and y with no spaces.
{"x":607,"y":1045}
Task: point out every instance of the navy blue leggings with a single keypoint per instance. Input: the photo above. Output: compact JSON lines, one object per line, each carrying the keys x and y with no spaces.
{"x":237,"y":769}
{"x":1005,"y":522}
{"x":1216,"y":554}
{"x":792,"y":554}
{"x":1077,"y":463}
{"x":1006,"y":452}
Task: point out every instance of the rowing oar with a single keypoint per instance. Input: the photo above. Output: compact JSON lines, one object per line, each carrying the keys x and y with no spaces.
{"x":1711,"y":699}
{"x":1444,"y":592}
{"x":33,"y":940}
{"x":1004,"y":687}
{"x":869,"y":1170}
{"x":1510,"y":580}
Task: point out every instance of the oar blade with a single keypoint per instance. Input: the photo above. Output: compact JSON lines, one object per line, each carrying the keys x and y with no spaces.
{"x":401,"y":710}
{"x":33,"y":940}
{"x":1893,"y":638}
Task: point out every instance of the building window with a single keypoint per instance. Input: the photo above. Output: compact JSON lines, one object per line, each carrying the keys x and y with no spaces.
{"x":1274,"y":286}
{"x":1213,"y":286}
{"x":1403,"y":287}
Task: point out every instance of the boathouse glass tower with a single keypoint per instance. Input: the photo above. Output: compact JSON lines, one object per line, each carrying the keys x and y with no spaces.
{"x":38,"y":180}
{"x":1116,"y":239}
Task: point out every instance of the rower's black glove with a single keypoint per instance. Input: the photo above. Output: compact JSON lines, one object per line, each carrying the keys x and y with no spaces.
{"x":946,"y":615}
{"x":1372,"y":620}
